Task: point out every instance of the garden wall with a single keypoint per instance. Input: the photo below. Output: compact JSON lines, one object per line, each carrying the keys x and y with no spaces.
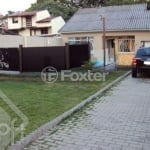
{"x":34,"y":59}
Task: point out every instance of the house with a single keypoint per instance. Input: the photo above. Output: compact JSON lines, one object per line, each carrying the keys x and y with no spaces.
{"x":4,"y":26}
{"x":34,"y":23}
{"x":124,"y":28}
{"x":3,"y":22}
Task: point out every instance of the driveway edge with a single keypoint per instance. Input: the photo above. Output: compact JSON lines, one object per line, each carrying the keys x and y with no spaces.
{"x":50,"y":125}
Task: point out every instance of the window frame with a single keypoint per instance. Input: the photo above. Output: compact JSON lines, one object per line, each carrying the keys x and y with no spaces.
{"x":126,"y":45}
{"x":44,"y":31}
{"x":82,"y":40}
{"x":14,"y":20}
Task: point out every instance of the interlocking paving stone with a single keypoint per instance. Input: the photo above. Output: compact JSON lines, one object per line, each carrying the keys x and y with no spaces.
{"x":120,"y":120}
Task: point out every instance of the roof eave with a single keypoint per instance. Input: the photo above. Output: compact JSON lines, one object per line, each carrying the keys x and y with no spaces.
{"x":125,"y":30}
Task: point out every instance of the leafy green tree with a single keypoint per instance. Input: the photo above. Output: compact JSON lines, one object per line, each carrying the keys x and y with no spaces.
{"x":55,"y":7}
{"x":91,"y":3}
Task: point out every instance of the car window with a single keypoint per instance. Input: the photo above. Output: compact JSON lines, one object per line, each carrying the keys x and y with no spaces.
{"x":143,"y":52}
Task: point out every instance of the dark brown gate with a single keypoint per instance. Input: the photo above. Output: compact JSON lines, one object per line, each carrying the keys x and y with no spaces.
{"x":9,"y":59}
{"x":34,"y":59}
{"x":78,"y":54}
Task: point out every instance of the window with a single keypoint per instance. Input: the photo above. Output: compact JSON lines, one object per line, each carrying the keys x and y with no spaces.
{"x":15,"y":20}
{"x":143,"y":52}
{"x":126,"y":45}
{"x":44,"y":31}
{"x":145,"y":43}
{"x":81,"y":40}
{"x":28,"y":21}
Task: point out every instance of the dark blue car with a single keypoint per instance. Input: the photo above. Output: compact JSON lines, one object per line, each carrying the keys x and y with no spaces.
{"x":141,"y":61}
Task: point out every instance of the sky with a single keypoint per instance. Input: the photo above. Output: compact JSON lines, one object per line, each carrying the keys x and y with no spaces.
{"x":14,"y":5}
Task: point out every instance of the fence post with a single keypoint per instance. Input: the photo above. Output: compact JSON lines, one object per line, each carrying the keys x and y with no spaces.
{"x":67,"y":56}
{"x":20,"y":58}
{"x":89,"y":50}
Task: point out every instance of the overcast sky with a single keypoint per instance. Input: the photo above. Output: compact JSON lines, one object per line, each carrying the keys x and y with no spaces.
{"x":14,"y":5}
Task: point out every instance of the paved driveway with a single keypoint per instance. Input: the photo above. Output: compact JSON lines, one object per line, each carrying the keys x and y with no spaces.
{"x":120,"y":120}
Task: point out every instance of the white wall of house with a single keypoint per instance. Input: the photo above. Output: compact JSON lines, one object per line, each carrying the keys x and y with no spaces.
{"x":40,"y":25}
{"x":37,"y":32}
{"x":16,"y":25}
{"x":56,"y":24}
{"x":39,"y":16}
{"x":123,"y":58}
{"x":42,"y":14}
{"x":97,"y":52}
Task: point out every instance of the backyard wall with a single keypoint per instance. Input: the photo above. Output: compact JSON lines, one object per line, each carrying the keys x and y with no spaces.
{"x":9,"y":41}
{"x":42,"y":41}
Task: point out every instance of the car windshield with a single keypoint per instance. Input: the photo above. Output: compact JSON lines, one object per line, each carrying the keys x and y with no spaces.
{"x":143,"y":52}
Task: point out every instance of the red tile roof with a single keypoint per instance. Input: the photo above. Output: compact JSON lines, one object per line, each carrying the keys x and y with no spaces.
{"x":23,"y":14}
{"x":44,"y":20}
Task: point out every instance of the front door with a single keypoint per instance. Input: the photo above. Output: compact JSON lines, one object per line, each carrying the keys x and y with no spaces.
{"x":110,"y":51}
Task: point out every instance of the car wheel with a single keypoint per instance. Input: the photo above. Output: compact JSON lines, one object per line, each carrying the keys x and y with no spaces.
{"x":134,"y":73}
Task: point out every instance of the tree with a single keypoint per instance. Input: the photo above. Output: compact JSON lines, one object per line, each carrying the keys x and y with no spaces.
{"x":91,"y":3}
{"x":10,"y":12}
{"x":55,"y":7}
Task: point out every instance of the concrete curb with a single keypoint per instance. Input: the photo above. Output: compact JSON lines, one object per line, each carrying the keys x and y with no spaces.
{"x":50,"y":125}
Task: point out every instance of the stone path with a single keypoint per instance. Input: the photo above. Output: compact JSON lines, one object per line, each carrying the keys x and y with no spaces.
{"x":120,"y":120}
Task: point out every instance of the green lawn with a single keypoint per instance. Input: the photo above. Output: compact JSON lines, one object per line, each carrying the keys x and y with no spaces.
{"x":42,"y":102}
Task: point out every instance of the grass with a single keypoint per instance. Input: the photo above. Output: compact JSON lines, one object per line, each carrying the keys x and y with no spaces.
{"x":42,"y":102}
